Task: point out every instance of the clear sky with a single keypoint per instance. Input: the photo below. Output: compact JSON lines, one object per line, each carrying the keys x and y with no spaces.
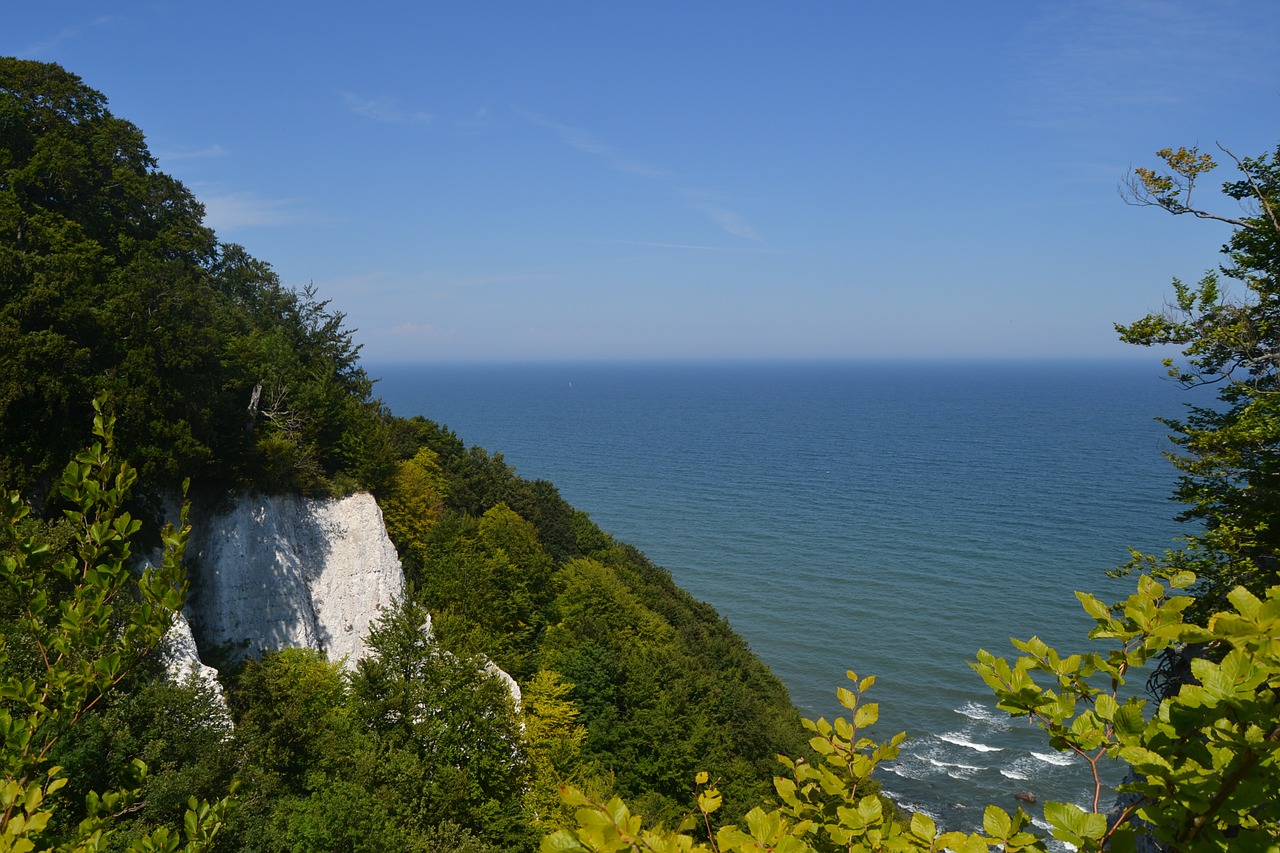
{"x":497,"y":180}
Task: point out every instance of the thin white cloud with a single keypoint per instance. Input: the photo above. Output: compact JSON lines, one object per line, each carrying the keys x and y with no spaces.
{"x":1083,"y":62}
{"x":582,"y":140}
{"x":383,"y":108}
{"x":208,"y":152}
{"x":37,"y":49}
{"x":480,"y":121}
{"x":653,"y":244}
{"x":243,"y":210}
{"x":730,"y":221}
{"x":481,"y":281}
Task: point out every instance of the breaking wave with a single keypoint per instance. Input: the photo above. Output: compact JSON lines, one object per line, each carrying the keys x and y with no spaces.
{"x":982,"y":714}
{"x":959,"y":740}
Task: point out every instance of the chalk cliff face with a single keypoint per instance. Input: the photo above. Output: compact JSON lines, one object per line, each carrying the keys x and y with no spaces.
{"x":275,"y":572}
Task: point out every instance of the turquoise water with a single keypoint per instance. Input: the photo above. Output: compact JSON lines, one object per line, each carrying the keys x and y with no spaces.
{"x":889,"y":518}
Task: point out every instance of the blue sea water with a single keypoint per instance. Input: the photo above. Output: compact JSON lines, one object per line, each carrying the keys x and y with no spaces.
{"x":885,"y":517}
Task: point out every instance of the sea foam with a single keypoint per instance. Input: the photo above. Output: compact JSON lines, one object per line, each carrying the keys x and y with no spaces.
{"x":982,"y":714}
{"x":959,"y":740}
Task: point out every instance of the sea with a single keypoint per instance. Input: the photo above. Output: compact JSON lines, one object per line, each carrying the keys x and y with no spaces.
{"x":885,"y":517}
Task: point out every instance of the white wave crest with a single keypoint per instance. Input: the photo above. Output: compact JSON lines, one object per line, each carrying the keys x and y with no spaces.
{"x":1010,"y":773}
{"x":1054,"y":758}
{"x":982,"y":714}
{"x":936,"y":763}
{"x":958,"y":740}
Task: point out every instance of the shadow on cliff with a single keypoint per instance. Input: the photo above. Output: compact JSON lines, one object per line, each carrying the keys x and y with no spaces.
{"x":253,"y":563}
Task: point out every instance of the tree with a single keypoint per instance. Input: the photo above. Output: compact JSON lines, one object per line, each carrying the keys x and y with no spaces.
{"x":446,"y":730}
{"x":80,"y":645}
{"x":110,"y":283}
{"x":102,"y":281}
{"x":313,"y":775}
{"x":554,"y":739}
{"x":1228,"y":326}
{"x":413,"y":499}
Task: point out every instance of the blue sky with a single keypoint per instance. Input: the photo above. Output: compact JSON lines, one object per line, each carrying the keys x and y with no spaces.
{"x":512,"y":180}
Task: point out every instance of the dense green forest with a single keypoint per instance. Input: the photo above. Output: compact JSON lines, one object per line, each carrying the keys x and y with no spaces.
{"x":147,"y":353}
{"x":210,"y":370}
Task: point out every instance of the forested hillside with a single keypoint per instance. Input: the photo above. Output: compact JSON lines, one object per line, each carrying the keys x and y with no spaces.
{"x":208,"y":368}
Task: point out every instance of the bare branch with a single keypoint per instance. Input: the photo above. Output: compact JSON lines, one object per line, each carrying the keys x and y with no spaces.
{"x":1257,"y":191}
{"x":1145,"y":188}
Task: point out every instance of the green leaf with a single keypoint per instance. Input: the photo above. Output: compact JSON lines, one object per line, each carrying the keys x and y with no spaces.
{"x":1245,"y":602}
{"x":560,"y":841}
{"x":996,"y":822}
{"x":870,"y":809}
{"x":844,"y":729}
{"x":1094,"y":606}
{"x":1128,"y":720}
{"x":923,"y":827}
{"x":1067,"y":821}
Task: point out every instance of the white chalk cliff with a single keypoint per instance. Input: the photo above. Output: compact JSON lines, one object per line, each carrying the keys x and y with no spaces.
{"x":274,"y":572}
{"x":285,"y":571}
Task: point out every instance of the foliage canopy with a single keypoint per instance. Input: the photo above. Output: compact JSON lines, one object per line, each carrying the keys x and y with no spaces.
{"x":110,"y":283}
{"x":86,"y":642}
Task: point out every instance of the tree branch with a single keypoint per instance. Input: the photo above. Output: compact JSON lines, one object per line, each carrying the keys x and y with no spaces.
{"x":1257,"y":191}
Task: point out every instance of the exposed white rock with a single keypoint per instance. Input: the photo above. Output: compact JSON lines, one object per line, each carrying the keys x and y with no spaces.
{"x":282,"y":571}
{"x":182,"y":661}
{"x":180,"y":658}
{"x":517,"y":698}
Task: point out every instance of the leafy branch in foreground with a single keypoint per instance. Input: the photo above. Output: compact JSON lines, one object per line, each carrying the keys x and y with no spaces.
{"x":82,"y":642}
{"x":1206,"y":758}
{"x":827,"y":807}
